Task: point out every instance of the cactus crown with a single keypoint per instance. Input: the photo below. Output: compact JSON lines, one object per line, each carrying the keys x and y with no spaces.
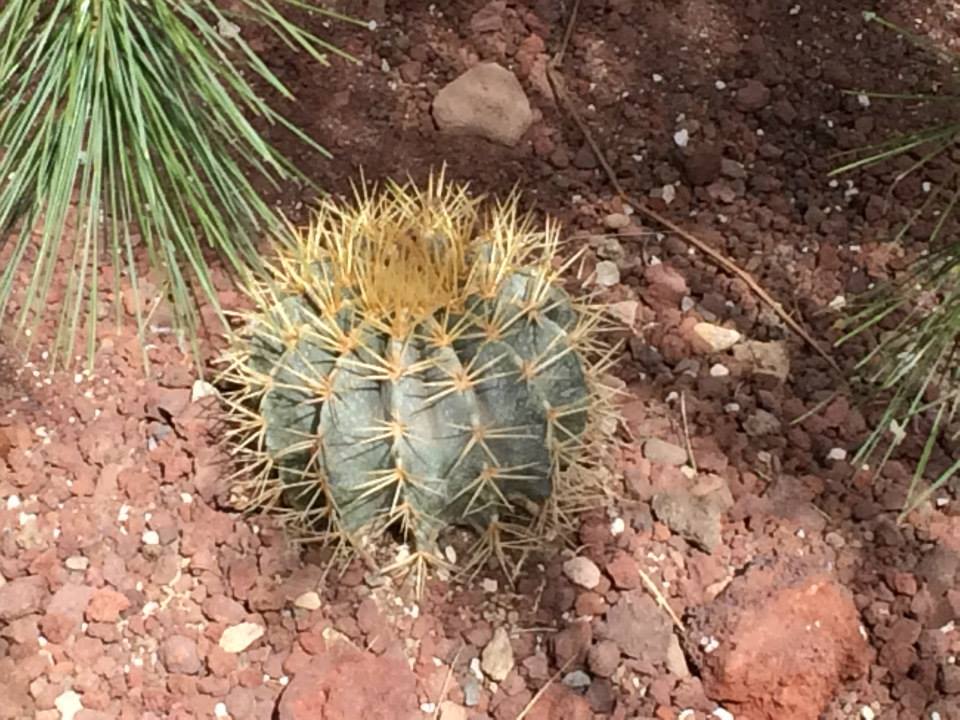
{"x":411,"y":364}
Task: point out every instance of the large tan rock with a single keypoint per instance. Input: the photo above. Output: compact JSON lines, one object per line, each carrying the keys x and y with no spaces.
{"x":486,"y":101}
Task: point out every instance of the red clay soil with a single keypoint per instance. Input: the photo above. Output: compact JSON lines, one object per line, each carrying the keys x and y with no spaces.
{"x":130,"y":589}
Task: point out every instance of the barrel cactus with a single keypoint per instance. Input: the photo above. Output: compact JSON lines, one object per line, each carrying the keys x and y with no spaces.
{"x":413,"y":364}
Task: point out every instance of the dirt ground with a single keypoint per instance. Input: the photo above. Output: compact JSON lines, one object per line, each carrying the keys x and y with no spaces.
{"x":128,"y":589}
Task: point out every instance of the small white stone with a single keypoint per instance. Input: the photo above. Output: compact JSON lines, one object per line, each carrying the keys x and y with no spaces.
{"x":608,"y":274}
{"x":795,"y":10}
{"x":720,"y":85}
{"x":450,"y":553}
{"x":617,"y":527}
{"x":186,"y":498}
{"x":220,"y":710}
{"x":719,"y":370}
{"x":582,"y":571}
{"x":13,"y":502}
{"x":657,"y":77}
{"x":496,"y":660}
{"x":715,"y":337}
{"x":864,"y":100}
{"x":308,"y":601}
{"x":150,"y":608}
{"x":681,"y":137}
{"x":428,"y":707}
{"x":237,"y":638}
{"x":838,"y":454}
{"x":489,"y":585}
{"x":77,"y":562}
{"x":150,"y":537}
{"x":123,"y":514}
{"x":201,"y":389}
{"x":68,"y":703}
{"x":668,"y":193}
{"x":722,"y":714}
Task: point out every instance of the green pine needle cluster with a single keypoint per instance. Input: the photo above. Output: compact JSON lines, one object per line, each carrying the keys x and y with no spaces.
{"x":125,"y":129}
{"x":916,"y":361}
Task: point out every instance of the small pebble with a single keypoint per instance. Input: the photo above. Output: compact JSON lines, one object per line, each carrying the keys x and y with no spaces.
{"x":77,"y":562}
{"x":150,"y":537}
{"x":577,"y":679}
{"x":838,"y":454}
{"x":582,"y":571}
{"x":719,"y":370}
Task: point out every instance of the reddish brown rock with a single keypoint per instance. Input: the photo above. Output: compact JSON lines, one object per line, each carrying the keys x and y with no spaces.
{"x":560,"y":702}
{"x":345,"y":683}
{"x":22,"y":596}
{"x":786,"y":637}
{"x":106,"y":605}
{"x":179,"y":655}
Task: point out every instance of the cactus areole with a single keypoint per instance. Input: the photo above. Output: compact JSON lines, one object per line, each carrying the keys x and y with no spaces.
{"x":413,"y":364}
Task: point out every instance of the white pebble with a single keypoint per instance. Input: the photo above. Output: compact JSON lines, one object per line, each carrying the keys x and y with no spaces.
{"x":838,"y":454}
{"x":13,"y":502}
{"x":617,"y":526}
{"x":720,"y":85}
{"x":186,"y":498}
{"x":722,"y":714}
{"x":220,"y":710}
{"x":681,"y":137}
{"x":732,"y":408}
{"x":657,"y":77}
{"x":428,"y":707}
{"x":866,"y":713}
{"x":719,"y":370}
{"x":864,"y":100}
{"x":150,"y":537}
{"x":489,"y":585}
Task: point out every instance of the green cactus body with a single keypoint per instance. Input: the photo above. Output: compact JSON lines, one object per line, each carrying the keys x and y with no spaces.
{"x":384,"y":403}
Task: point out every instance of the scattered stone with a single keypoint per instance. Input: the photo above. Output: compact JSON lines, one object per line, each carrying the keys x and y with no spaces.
{"x":765,"y":358}
{"x":578,"y":680}
{"x":624,"y":572}
{"x":22,"y":596}
{"x":625,"y":312}
{"x":760,"y":423}
{"x":712,"y":338}
{"x":616,"y":221}
{"x":345,"y":684}
{"x":787,"y":636}
{"x":486,"y":101}
{"x":76,"y":562}
{"x":695,"y":518}
{"x":237,"y":638}
{"x":106,"y":605}
{"x":451,"y":711}
{"x":663,"y":452}
{"x":608,"y":274}
{"x":702,"y":166}
{"x":496,"y":661}
{"x":178,"y":653}
{"x":308,"y":601}
{"x":68,"y":704}
{"x":582,"y":571}
{"x":676,"y":661}
{"x":639,"y":627}
{"x":604,"y":658}
{"x":753,"y":96}
{"x":559,"y":701}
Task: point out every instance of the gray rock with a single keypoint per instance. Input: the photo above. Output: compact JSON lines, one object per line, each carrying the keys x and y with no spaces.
{"x":660,"y":451}
{"x":577,"y":680}
{"x":753,"y":96}
{"x":639,"y":627}
{"x":765,"y":358}
{"x":696,"y":519}
{"x":486,"y":101}
{"x":760,"y":423}
{"x":496,"y":660}
{"x":583,"y":572}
